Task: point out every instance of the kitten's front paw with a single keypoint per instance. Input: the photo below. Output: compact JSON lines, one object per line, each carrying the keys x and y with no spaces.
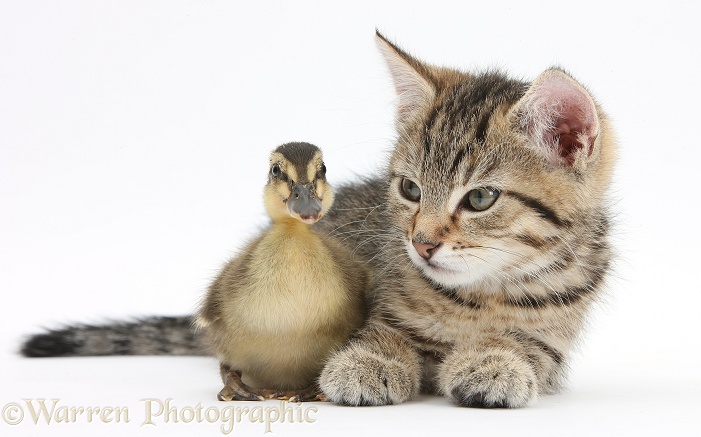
{"x":356,"y":376}
{"x":493,"y":378}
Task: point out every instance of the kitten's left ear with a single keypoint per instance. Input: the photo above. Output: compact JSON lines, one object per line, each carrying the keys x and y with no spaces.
{"x":412,"y":79}
{"x":560,"y":118}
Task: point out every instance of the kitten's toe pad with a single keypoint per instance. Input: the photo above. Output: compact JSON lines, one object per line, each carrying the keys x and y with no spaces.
{"x":488,"y":379}
{"x":356,"y":376}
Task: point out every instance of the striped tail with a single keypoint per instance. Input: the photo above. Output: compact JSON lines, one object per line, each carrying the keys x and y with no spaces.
{"x":148,"y":336}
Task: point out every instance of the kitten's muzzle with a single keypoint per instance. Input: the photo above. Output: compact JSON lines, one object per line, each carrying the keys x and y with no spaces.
{"x":303,"y":203}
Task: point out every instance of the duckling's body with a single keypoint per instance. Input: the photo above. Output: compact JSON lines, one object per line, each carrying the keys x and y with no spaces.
{"x":293,"y":296}
{"x":285,"y":303}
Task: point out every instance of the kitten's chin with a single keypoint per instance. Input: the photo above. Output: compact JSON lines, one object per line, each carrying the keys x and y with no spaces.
{"x":446,"y":277}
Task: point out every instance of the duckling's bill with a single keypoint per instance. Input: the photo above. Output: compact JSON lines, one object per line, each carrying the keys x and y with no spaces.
{"x":303,"y":204}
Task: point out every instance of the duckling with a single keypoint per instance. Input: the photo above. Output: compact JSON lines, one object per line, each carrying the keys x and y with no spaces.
{"x":293,"y":295}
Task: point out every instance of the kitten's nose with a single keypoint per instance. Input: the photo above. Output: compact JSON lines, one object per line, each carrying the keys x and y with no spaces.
{"x":426,"y":250}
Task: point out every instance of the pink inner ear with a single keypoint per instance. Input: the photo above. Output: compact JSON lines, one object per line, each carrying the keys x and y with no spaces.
{"x":558,"y":101}
{"x":572,"y":134}
{"x":568,"y":145}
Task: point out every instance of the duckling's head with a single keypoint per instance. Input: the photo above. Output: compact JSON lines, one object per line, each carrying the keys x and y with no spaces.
{"x":297,"y":184}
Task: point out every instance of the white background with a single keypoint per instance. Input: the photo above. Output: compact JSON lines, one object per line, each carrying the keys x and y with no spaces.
{"x":133,"y":150}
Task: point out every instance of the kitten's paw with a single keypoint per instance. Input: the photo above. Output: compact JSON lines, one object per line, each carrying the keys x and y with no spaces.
{"x":356,"y":376}
{"x":493,"y":378}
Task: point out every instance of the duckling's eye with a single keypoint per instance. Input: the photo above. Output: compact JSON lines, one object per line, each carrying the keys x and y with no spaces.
{"x":322,"y":171}
{"x":276,"y":171}
{"x":480,"y":199}
{"x":410,"y":190}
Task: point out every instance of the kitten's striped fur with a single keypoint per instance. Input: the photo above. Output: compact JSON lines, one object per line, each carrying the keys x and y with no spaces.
{"x":491,"y":319}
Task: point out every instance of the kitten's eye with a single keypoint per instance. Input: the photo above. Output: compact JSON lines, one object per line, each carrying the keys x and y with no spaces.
{"x":480,"y":199}
{"x":410,"y":190}
{"x":275,"y":170}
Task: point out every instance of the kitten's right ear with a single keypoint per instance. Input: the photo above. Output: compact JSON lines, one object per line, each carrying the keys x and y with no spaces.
{"x":560,"y":118}
{"x":412,"y":79}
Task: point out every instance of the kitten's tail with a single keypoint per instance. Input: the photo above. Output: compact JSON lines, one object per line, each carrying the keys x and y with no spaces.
{"x":148,"y":336}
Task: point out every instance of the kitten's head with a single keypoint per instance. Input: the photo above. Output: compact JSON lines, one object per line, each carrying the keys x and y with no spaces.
{"x":492,"y":177}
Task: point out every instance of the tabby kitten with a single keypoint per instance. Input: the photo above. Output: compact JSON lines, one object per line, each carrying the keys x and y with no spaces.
{"x":489,"y":234}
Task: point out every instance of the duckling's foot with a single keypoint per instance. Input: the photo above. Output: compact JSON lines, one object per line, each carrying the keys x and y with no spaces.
{"x":310,"y":394}
{"x":235,"y":390}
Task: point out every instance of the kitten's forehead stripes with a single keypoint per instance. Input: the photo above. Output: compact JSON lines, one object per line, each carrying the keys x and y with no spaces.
{"x":474,"y":102}
{"x":460,"y":118}
{"x":501,"y":91}
{"x":481,"y":128}
{"x":458,"y":159}
{"x":477,"y":102}
{"x":428,"y":126}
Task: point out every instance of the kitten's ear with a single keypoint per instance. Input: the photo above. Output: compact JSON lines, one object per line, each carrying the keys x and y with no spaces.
{"x":560,"y":119}
{"x":411,"y":78}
